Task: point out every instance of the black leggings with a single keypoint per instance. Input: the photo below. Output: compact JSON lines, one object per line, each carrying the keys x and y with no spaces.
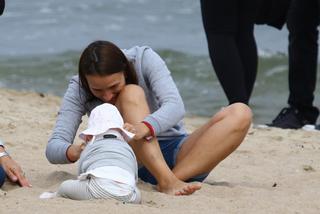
{"x":303,"y":21}
{"x":229,"y":26}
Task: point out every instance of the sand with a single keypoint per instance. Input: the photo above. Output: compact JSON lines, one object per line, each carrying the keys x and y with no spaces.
{"x":273,"y":171}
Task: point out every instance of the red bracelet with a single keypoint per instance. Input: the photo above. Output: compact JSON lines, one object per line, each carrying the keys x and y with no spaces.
{"x":152,"y":134}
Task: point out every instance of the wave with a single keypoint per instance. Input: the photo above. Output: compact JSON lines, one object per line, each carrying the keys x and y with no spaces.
{"x":194,"y":75}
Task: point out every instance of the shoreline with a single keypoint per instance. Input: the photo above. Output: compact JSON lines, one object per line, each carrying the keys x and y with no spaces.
{"x":273,"y":170}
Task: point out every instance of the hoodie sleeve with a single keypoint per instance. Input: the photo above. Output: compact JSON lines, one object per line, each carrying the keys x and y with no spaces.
{"x":171,"y":109}
{"x":68,"y":120}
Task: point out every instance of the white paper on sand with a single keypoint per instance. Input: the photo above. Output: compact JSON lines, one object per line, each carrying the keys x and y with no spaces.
{"x":47,"y":195}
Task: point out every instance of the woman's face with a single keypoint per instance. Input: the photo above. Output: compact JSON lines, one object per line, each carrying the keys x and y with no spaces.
{"x":106,"y":88}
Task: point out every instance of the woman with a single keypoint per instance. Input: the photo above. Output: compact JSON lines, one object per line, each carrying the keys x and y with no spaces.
{"x":138,"y":82}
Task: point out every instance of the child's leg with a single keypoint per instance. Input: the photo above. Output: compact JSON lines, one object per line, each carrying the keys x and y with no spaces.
{"x":75,"y":189}
{"x":137,"y":198}
{"x":106,"y":188}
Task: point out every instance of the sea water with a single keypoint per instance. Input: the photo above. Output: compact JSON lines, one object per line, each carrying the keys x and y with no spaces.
{"x":41,"y":41}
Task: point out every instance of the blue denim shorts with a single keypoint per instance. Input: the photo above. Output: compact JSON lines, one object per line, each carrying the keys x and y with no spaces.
{"x":169,"y":149}
{"x":2,"y":176}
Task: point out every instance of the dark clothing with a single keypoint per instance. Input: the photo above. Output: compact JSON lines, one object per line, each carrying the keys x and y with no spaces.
{"x":302,"y":23}
{"x":273,"y":12}
{"x":2,"y":5}
{"x":229,"y":26}
{"x":2,"y":176}
{"x":228,"y":16}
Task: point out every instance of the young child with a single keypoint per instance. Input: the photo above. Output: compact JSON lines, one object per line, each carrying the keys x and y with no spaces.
{"x":107,"y":165}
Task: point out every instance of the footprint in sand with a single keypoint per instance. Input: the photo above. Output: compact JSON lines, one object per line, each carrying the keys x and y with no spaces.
{"x":49,"y":180}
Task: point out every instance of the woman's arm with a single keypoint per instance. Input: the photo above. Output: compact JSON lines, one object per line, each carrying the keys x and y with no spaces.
{"x":69,"y":118}
{"x":171,"y":108}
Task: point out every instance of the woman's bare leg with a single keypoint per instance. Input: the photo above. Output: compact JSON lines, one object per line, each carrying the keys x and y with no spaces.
{"x":134,"y":108}
{"x":213,"y":142}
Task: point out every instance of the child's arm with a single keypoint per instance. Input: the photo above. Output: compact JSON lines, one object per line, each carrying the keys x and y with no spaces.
{"x":130,"y":128}
{"x":141,"y":130}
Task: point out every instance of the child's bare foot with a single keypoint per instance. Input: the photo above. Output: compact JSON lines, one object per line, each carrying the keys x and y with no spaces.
{"x":180,"y":188}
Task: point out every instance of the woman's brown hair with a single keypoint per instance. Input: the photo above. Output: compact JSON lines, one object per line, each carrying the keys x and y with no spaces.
{"x":104,"y":58}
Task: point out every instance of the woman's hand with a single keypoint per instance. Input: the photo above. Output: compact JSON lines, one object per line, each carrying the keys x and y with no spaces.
{"x":14,"y":171}
{"x":74,"y":151}
{"x":140,"y":130}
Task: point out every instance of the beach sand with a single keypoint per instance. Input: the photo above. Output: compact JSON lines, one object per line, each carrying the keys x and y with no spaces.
{"x":273,"y":171}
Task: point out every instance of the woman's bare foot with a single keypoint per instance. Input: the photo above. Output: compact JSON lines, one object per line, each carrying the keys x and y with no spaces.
{"x":179,"y":188}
